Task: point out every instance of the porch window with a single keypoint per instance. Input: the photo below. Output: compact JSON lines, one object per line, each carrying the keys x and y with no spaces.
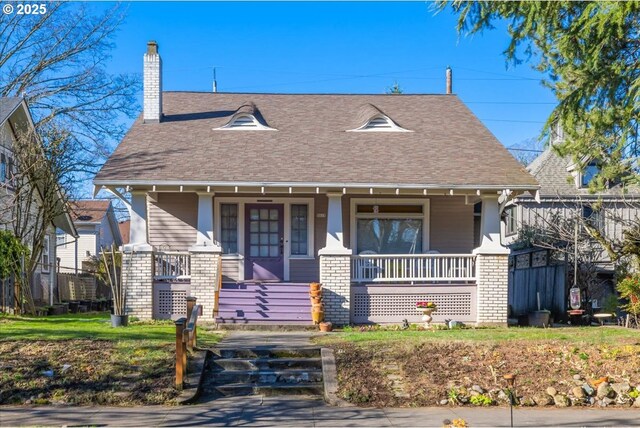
{"x":229,"y":228}
{"x":299,"y":230}
{"x":389,"y":229}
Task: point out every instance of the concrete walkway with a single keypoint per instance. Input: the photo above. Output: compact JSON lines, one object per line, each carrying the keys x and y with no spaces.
{"x":305,"y":412}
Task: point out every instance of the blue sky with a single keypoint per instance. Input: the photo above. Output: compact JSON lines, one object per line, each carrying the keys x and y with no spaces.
{"x":360,"y":47}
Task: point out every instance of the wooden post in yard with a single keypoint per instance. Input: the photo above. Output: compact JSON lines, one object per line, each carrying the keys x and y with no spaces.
{"x":180,"y":353}
{"x":191,"y":302}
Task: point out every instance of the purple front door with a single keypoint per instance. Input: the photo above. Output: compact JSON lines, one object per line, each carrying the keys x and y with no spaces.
{"x":264,"y":242}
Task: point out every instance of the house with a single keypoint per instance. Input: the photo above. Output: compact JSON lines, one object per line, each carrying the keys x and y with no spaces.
{"x":564,"y":193}
{"x":97,"y":226}
{"x":15,"y":119}
{"x":243,"y":199}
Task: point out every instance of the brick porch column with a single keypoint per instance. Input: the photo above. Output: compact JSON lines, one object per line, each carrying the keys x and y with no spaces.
{"x":204,"y":279}
{"x":335,"y":266}
{"x":492,"y":267}
{"x":137,"y":278}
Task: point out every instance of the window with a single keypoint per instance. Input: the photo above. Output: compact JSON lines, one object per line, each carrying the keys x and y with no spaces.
{"x":595,"y":218}
{"x":3,"y":168}
{"x":299,"y":230}
{"x":229,"y":228}
{"x":389,"y":229}
{"x":589,"y":172}
{"x":61,"y":238}
{"x":45,"y":254}
{"x":510,"y":221}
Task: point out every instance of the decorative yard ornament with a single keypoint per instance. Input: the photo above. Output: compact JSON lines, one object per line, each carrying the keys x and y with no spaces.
{"x":574,"y":297}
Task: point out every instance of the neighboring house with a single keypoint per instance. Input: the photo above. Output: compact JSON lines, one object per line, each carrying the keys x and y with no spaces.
{"x":97,"y":227}
{"x":564,"y":193}
{"x":124,"y":226}
{"x":15,"y":118}
{"x":372,"y":195}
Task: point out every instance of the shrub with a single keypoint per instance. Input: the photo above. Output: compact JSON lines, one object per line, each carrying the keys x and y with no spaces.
{"x":629,"y":289}
{"x":481,"y":400}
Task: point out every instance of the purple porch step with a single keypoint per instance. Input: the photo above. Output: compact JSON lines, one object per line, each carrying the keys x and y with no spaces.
{"x":289,"y":300}
{"x":266,"y":288}
{"x":267,"y":309}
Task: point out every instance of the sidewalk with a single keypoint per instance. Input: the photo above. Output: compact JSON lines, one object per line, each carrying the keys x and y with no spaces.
{"x":306,"y":412}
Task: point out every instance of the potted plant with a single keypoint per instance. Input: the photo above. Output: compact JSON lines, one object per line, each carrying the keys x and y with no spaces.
{"x":108,"y":270}
{"x":427,"y":308}
{"x":326,"y":326}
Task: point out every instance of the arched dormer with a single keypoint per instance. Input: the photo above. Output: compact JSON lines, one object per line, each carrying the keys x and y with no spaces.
{"x":247,"y":118}
{"x":372,"y":119}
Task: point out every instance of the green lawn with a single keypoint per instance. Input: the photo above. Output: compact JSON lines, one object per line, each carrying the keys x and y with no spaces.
{"x":117,"y":366}
{"x":590,"y":335}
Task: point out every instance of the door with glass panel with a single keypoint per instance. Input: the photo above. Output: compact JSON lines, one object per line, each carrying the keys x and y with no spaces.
{"x":264,"y":242}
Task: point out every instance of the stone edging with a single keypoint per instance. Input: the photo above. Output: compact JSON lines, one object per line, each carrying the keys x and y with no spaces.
{"x":330,"y":379}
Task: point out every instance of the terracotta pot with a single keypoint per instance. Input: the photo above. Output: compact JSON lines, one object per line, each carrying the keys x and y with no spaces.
{"x":317,"y":316}
{"x":315,"y":286}
{"x":316,"y":300}
{"x":326,"y":326}
{"x":317,"y":307}
{"x":315,"y":293}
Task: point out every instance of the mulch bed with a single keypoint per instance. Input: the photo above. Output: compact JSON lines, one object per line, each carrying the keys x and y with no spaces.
{"x":84,"y":372}
{"x":429,"y":371}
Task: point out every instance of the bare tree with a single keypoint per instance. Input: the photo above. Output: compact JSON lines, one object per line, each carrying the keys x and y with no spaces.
{"x":35,"y":196}
{"x":57,"y":61}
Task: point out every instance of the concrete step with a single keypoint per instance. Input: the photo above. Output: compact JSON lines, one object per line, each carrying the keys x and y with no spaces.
{"x":266,"y":352}
{"x":273,"y":364}
{"x":263,"y":389}
{"x":266,"y":377}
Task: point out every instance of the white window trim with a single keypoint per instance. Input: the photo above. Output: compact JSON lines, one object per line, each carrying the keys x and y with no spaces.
{"x":287,"y":202}
{"x":257,"y":125}
{"x":514,"y":210}
{"x":354,"y":216}
{"x":393,"y":126}
{"x":45,"y":250}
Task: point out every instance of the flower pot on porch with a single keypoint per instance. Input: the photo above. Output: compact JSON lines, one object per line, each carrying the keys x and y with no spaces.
{"x":317,"y":300}
{"x":326,"y":326}
{"x":119,"y":320}
{"x":315,"y":286}
{"x":315,"y":293}
{"x":317,"y":316}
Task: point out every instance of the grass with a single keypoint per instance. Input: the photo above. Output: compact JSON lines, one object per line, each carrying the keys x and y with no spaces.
{"x":590,"y":335}
{"x":121,"y":366}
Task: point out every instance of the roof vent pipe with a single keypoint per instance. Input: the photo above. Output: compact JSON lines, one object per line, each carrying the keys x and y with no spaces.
{"x":449,"y":80}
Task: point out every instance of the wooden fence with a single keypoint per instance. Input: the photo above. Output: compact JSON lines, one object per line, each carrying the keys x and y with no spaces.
{"x":534,"y":272}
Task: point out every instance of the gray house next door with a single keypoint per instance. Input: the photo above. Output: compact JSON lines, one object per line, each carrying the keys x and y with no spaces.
{"x":264,"y":242}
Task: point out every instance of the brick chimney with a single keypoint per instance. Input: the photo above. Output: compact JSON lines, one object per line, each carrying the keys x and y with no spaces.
{"x":449,"y":80}
{"x":152,"y":84}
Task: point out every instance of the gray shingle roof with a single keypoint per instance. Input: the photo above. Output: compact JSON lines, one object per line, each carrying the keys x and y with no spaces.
{"x":449,"y":145}
{"x":7,"y":106}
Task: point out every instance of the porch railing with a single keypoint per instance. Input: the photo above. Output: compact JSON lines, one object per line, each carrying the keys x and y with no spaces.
{"x":172,"y":265}
{"x":413,"y":267}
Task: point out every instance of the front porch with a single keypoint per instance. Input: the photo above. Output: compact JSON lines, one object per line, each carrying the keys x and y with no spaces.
{"x":375,"y":256}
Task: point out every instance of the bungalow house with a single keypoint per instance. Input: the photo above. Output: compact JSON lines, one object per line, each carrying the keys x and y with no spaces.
{"x":97,"y":226}
{"x":15,"y":120}
{"x":243,"y":199}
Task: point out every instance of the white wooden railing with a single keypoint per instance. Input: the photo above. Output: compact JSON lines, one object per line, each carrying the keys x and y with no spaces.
{"x":413,"y":267}
{"x":172,"y":265}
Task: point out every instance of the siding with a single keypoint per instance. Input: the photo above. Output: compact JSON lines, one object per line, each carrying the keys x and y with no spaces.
{"x":452,"y":228}
{"x":230,"y":269}
{"x":87,"y":241}
{"x":304,"y":270}
{"x":172,"y":220}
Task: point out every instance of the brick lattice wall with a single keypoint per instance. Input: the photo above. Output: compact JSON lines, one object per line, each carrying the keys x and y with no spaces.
{"x":204,"y":280}
{"x":335,"y":276}
{"x":492,"y":278}
{"x":137,"y":277}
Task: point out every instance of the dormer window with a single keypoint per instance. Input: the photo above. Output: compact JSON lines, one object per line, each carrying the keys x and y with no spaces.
{"x":590,"y":171}
{"x":246,"y":122}
{"x":380,"y":123}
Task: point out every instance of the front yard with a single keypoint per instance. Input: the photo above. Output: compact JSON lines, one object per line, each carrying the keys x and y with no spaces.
{"x":82,"y":360}
{"x":559,"y":366}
